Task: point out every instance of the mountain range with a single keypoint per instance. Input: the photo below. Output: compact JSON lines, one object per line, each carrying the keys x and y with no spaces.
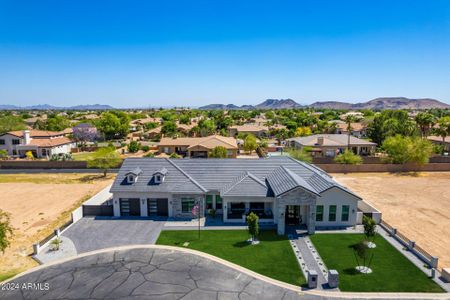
{"x":51,"y":107}
{"x":375,"y":104}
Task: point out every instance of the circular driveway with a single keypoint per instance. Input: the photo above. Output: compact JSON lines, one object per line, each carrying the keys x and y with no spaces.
{"x":143,"y":273}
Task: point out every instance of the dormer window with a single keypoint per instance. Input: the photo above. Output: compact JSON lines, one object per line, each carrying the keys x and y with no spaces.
{"x":159,"y":175}
{"x":132,"y":176}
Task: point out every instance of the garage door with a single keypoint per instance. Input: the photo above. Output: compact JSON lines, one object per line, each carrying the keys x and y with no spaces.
{"x":158,"y":207}
{"x":130,"y":207}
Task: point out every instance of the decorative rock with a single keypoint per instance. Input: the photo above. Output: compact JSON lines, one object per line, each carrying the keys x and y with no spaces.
{"x":371,"y":245}
{"x":363,"y":269}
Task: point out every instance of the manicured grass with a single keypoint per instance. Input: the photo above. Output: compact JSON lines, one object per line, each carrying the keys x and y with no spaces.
{"x":392,"y":272}
{"x":273,"y":257}
{"x":82,"y":156}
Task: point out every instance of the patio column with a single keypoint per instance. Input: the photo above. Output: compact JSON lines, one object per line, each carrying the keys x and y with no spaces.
{"x":311,"y":218}
{"x":144,"y":210}
{"x":281,"y":209}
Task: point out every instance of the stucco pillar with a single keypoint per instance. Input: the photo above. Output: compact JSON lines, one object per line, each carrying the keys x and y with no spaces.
{"x":281,"y":220}
{"x":116,"y":206}
{"x":144,"y":210}
{"x":225,"y":210}
{"x":311,"y":218}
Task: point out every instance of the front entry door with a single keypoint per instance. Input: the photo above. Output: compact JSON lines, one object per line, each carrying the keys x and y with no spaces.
{"x":292,"y":215}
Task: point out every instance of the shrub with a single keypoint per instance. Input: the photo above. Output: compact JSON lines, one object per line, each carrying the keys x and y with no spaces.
{"x":150,"y":154}
{"x":401,"y":149}
{"x":134,"y":147}
{"x":348,"y":158}
{"x":300,"y":154}
{"x":145,"y":148}
{"x":29,"y":155}
{"x":174,"y":155}
{"x":3,"y":154}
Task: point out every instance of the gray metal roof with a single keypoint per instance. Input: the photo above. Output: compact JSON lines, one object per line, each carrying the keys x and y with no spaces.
{"x":136,"y":171}
{"x":237,"y":177}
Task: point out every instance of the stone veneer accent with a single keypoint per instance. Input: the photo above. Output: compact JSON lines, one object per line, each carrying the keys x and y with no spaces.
{"x":176,"y":204}
{"x":296,"y":197}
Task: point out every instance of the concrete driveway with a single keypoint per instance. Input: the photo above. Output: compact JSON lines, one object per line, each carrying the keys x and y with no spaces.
{"x":90,"y":233}
{"x":143,"y":273}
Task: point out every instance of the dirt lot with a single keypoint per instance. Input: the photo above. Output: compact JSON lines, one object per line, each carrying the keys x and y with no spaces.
{"x":37,"y":204}
{"x":418,"y":204}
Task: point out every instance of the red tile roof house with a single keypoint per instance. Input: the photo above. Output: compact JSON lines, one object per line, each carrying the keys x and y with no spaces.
{"x":41,"y":143}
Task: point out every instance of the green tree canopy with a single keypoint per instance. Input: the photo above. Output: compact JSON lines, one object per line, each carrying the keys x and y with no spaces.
{"x":407,"y":149}
{"x":104,"y":159}
{"x":114,"y":124}
{"x":169,"y":128}
{"x":11,"y":123}
{"x":218,"y":152}
{"x":134,"y":147}
{"x":250,"y":143}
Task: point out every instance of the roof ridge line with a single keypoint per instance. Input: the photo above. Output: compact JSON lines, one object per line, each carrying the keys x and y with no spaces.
{"x":186,"y":174}
{"x":256,"y":179}
{"x":233,"y":184}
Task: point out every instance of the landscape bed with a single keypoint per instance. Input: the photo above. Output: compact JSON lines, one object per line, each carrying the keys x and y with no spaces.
{"x":392,"y":272}
{"x":272,"y":257}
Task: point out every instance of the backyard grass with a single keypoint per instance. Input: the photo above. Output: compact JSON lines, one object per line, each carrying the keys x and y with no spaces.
{"x":392,"y":272}
{"x":272,"y":257}
{"x":83,"y":156}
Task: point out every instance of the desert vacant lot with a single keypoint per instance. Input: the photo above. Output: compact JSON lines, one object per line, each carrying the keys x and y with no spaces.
{"x":418,"y":204}
{"x":38,"y":203}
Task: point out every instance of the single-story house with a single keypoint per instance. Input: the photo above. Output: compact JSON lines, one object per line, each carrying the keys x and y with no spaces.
{"x":40,"y":143}
{"x":358,"y":130}
{"x":280,"y":190}
{"x":197,"y":147}
{"x":255,"y":129}
{"x":330,"y":145}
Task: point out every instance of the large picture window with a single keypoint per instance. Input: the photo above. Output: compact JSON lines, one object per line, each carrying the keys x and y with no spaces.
{"x":319,"y":213}
{"x":332,"y":213}
{"x":345,"y":212}
{"x":187,"y":204}
{"x":209,"y":201}
{"x":218,"y":202}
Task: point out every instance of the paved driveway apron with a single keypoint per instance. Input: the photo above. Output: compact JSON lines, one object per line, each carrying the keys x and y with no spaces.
{"x":146,"y":274}
{"x":91,"y":234}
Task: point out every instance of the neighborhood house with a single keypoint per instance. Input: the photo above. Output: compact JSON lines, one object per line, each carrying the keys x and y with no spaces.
{"x":330,"y":145}
{"x":280,"y":190}
{"x":40,"y":143}
{"x":198,"y":147}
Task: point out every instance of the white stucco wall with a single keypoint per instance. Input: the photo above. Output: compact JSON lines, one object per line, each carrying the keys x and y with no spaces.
{"x":338,"y":197}
{"x":8,"y":146}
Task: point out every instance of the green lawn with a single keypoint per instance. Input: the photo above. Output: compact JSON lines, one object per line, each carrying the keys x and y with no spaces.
{"x":273,"y":257}
{"x":82,"y":155}
{"x":392,"y":272}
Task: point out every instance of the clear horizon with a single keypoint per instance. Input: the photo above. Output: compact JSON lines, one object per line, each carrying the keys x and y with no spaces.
{"x":152,"y":54}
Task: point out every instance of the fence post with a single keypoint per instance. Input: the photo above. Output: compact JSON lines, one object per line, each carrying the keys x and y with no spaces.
{"x":434,"y":262}
{"x":36,"y":249}
{"x":57,"y":232}
{"x":411,"y":245}
{"x":394,"y":231}
{"x":433,"y":273}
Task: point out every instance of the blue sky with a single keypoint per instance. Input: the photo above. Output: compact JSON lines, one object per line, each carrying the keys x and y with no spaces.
{"x":191,"y":53}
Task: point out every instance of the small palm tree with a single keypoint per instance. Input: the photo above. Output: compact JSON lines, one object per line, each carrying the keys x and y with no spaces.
{"x":349,"y":119}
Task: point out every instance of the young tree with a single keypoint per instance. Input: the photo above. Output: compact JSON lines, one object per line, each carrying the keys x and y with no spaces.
{"x":6,"y":231}
{"x":250,"y":143}
{"x":303,"y":131}
{"x":169,"y":128}
{"x":105,"y":158}
{"x":348,"y":158}
{"x":363,"y":252}
{"x":253,"y":225}
{"x":218,"y":152}
{"x":369,"y":228}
